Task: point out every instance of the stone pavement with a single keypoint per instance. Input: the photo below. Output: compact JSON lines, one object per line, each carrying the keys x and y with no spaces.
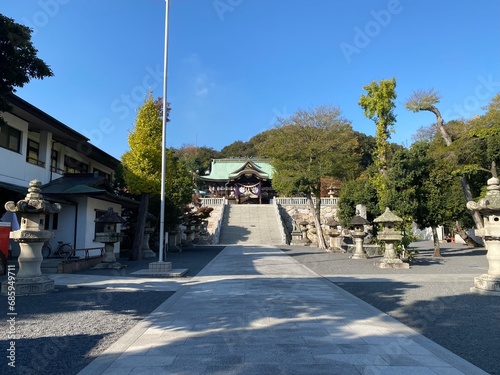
{"x":255,"y":310}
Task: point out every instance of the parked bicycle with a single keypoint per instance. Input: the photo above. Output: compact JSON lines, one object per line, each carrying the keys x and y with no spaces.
{"x":63,"y":249}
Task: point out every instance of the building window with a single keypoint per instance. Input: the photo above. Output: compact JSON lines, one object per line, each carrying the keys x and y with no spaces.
{"x":99,"y":226}
{"x":33,"y":153}
{"x":100,"y":173}
{"x":74,"y":166}
{"x":10,"y":138}
{"x":54,"y":162}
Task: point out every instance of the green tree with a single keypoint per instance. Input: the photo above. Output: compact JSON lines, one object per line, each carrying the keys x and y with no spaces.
{"x":142,"y":164}
{"x":196,"y":159}
{"x":18,"y":60}
{"x":378,"y":105}
{"x":305,"y":148}
{"x":426,"y":100}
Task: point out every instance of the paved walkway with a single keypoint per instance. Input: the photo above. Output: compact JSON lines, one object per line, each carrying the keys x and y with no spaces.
{"x":255,"y":310}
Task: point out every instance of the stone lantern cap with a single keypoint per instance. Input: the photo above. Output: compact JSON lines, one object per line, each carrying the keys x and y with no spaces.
{"x":110,"y":217}
{"x":34,"y":202}
{"x":332,"y":223}
{"x":490,"y":204}
{"x":358,"y":221}
{"x":387,"y":217}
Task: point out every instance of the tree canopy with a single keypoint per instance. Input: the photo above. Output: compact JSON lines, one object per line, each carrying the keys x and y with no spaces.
{"x":18,"y":59}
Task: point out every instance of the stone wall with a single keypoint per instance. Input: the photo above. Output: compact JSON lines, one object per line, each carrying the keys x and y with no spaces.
{"x":298,"y":213}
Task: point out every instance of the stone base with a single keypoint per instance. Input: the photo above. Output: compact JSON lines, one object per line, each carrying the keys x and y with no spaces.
{"x":392,"y":263}
{"x":336,"y":250}
{"x":161,"y":269}
{"x":160,"y":266}
{"x":359,"y":256}
{"x":486,"y":284}
{"x":31,"y":285}
{"x":148,"y":254}
{"x":108,"y":266}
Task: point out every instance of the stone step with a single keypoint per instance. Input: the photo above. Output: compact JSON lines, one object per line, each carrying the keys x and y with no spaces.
{"x":251,"y":224}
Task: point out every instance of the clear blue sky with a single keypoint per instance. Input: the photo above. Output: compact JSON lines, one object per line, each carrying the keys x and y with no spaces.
{"x":234,"y":65}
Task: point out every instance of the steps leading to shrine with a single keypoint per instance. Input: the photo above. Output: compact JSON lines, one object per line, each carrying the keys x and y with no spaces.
{"x":251,"y":224}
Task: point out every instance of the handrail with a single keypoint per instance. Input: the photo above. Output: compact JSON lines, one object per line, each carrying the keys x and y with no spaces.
{"x":280,"y":222}
{"x":222,"y":202}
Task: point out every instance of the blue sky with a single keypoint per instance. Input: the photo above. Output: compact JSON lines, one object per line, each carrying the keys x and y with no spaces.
{"x":235,"y":65}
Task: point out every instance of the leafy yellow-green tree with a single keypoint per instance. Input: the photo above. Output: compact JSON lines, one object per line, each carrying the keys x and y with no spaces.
{"x":142,"y":164}
{"x":378,"y":105}
{"x":308,"y":146}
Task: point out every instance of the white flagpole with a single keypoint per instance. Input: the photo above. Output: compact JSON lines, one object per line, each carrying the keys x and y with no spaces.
{"x":163,"y":139}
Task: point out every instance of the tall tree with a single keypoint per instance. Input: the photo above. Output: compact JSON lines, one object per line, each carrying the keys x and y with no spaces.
{"x":142,"y":164}
{"x":306,"y":147}
{"x":426,"y":100}
{"x":18,"y":60}
{"x":378,"y":105}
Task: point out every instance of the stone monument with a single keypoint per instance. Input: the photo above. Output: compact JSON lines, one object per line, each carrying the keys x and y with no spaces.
{"x":489,"y":208}
{"x":31,"y":237}
{"x":389,"y":236}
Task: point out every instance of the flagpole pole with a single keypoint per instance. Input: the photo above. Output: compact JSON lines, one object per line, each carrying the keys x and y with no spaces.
{"x":163,"y":139}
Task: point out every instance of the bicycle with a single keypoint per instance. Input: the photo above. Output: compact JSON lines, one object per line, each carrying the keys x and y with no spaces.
{"x":64,"y":249}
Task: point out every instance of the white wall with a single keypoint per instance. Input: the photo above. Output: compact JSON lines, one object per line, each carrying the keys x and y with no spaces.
{"x":86,"y":226}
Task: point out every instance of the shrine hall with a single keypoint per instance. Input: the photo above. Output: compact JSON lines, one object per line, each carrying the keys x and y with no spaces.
{"x":240,"y":180}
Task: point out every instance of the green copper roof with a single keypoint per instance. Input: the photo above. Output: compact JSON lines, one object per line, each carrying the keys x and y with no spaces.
{"x":224,"y":169}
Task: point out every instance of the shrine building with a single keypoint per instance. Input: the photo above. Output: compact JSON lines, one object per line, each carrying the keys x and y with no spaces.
{"x":240,"y":180}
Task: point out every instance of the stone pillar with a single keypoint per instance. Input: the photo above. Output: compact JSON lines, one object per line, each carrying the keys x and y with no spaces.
{"x":389,"y":236}
{"x":31,"y":236}
{"x":358,"y":235}
{"x":489,"y":208}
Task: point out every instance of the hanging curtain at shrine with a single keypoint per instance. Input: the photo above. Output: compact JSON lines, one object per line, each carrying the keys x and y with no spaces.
{"x":252,"y":191}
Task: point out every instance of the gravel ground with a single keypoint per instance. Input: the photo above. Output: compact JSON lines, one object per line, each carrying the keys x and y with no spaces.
{"x":468,"y":324}
{"x":62,"y":332}
{"x":53,"y":340}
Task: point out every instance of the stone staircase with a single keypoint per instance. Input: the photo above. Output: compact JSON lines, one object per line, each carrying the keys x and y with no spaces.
{"x":255,"y":224}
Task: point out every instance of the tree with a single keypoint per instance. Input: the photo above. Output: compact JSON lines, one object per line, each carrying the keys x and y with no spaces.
{"x":307,"y":147}
{"x":378,"y":104}
{"x":196,"y":159}
{"x":142,"y":164}
{"x":18,"y":59}
{"x":426,"y":101}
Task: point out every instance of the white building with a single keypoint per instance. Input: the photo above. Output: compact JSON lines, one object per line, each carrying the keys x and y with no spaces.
{"x":36,"y":146}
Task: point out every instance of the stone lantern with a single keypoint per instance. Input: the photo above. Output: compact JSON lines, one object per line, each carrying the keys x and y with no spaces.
{"x":358,"y":235}
{"x":296,"y":234}
{"x":304,"y":228}
{"x":108,"y":237}
{"x":31,"y":237}
{"x":489,"y":208}
{"x":334,"y":234}
{"x":389,"y":236}
{"x":148,"y":230}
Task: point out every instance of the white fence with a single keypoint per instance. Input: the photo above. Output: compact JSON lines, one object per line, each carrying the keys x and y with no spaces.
{"x":301,"y":201}
{"x":212,"y":202}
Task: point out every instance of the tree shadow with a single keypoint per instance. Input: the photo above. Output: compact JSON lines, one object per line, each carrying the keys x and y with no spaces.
{"x":465,"y":323}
